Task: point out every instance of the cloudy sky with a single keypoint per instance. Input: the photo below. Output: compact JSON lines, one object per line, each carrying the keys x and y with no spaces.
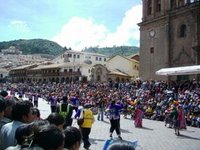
{"x":72,"y":23}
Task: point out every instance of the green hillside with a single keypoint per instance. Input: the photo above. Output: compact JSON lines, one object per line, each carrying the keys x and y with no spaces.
{"x":34,"y":46}
{"x":112,"y":51}
{"x":41,"y":46}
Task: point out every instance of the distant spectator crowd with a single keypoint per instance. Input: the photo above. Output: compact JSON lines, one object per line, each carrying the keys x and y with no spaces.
{"x":156,"y":97}
{"x":156,"y":100}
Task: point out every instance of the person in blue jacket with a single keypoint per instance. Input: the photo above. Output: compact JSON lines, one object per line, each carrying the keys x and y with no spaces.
{"x":114,"y":117}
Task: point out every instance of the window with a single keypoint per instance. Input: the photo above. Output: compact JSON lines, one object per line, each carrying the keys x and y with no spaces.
{"x":98,"y":78}
{"x":69,"y":55}
{"x":88,"y":57}
{"x":88,"y":70}
{"x":99,"y":58}
{"x":152,"y":50}
{"x":78,"y":56}
{"x":65,"y":70}
{"x":104,"y":59}
{"x":96,"y":58}
{"x":173,"y":4}
{"x":74,"y":55}
{"x":181,"y":3}
{"x":183,"y":30}
{"x":149,"y":7}
{"x":158,"y":5}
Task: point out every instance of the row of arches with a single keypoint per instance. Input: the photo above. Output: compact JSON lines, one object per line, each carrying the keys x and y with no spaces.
{"x":50,"y":79}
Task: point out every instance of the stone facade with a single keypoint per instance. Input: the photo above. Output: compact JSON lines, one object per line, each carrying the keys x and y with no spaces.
{"x":102,"y":74}
{"x":169,"y":37}
{"x":99,"y":73}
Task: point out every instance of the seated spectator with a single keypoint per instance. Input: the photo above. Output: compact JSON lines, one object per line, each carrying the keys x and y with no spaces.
{"x":149,"y":112}
{"x":72,"y":138}
{"x":57,"y":120}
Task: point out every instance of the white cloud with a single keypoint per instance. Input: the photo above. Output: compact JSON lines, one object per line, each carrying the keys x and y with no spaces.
{"x":79,"y":33}
{"x":20,"y":26}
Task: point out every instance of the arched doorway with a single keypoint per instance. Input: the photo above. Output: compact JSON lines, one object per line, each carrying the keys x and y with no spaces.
{"x":62,"y":79}
{"x":98,"y":78}
{"x":84,"y":79}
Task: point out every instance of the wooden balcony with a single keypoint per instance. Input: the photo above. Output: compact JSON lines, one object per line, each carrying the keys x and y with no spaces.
{"x":68,"y":74}
{"x":50,"y":74}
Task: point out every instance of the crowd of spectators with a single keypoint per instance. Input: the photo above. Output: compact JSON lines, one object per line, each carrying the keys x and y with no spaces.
{"x":156,"y":97}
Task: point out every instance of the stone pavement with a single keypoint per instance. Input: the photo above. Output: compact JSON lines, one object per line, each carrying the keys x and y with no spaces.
{"x":153,"y":136}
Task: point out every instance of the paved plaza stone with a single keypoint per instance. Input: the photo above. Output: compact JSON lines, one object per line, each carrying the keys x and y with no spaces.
{"x":153,"y":136}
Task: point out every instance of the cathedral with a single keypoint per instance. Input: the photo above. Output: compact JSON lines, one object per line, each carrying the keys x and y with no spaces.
{"x":169,"y":37}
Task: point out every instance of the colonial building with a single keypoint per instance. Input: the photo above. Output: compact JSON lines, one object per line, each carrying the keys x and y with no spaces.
{"x":63,"y":72}
{"x":125,"y":65}
{"x":19,"y":74}
{"x":118,"y":69}
{"x":81,"y":57}
{"x":169,"y":37}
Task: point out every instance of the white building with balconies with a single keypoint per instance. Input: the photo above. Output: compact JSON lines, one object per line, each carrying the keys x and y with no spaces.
{"x":81,"y":57}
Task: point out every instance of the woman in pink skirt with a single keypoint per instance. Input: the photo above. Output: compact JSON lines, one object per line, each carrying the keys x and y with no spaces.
{"x":138,"y":116}
{"x":182,"y":117}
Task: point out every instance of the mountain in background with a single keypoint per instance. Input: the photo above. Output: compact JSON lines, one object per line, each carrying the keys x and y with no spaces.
{"x":115,"y":50}
{"x":34,"y":46}
{"x":46,"y":47}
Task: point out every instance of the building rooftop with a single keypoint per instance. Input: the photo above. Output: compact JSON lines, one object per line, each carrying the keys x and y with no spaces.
{"x":118,"y":72}
{"x":85,"y":53}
